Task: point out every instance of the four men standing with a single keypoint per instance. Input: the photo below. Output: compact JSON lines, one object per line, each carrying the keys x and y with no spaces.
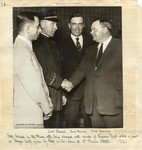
{"x":99,"y":67}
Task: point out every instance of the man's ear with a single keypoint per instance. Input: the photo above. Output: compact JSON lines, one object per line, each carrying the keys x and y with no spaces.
{"x":69,"y":25}
{"x":42,"y":24}
{"x":27,"y":27}
{"x":36,"y":19}
{"x":105,"y":29}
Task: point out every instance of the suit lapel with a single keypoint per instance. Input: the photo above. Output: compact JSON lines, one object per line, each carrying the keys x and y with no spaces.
{"x":107,"y":52}
{"x":73,"y":48}
{"x":85,"y":42}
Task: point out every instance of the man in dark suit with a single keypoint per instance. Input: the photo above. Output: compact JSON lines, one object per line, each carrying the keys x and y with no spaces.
{"x":49,"y":58}
{"x":72,"y":49}
{"x":102,"y":68}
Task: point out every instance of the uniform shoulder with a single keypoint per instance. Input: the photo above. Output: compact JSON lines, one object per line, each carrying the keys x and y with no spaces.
{"x":64,"y":44}
{"x":39,"y":40}
{"x":66,"y":40}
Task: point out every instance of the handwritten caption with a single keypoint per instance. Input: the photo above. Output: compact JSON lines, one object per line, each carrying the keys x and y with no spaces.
{"x":55,"y":136}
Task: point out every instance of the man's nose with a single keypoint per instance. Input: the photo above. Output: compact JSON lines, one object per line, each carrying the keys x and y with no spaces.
{"x":55,"y":26}
{"x":39,"y":30}
{"x":77,"y":26}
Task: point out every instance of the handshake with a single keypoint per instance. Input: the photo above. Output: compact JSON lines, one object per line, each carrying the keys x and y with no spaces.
{"x":66,"y":85}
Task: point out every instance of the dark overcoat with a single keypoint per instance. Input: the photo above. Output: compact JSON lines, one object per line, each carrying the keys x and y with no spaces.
{"x":49,"y":57}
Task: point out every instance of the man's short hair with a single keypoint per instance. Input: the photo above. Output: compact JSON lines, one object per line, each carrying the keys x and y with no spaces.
{"x":76,"y":14}
{"x":24,"y":17}
{"x":106,"y":23}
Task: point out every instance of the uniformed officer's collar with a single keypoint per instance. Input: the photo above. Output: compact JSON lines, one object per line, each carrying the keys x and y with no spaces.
{"x":74,"y":37}
{"x":44,"y":34}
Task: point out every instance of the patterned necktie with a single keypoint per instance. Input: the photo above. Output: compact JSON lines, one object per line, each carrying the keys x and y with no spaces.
{"x":99,"y":54}
{"x":78,"y":44}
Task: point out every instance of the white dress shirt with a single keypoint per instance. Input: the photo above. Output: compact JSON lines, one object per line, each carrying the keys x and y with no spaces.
{"x":80,"y":39}
{"x":105,"y":44}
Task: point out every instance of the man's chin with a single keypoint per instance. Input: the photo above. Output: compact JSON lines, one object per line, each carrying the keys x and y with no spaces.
{"x":77,"y":34}
{"x":52,"y":35}
{"x":94,"y":39}
{"x":35,"y":38}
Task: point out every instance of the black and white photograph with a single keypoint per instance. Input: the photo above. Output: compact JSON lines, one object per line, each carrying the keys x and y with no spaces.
{"x":70,"y":74}
{"x":67,"y":67}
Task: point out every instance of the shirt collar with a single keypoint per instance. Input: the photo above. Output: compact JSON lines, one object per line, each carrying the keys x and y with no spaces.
{"x":105,"y":43}
{"x":80,"y":39}
{"x":28,"y":42}
{"x":74,"y":37}
{"x":44,"y":34}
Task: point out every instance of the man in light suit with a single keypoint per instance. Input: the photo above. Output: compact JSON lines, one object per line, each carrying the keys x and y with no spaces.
{"x":102,"y":68}
{"x":49,"y":57}
{"x":31,"y":95}
{"x":73,"y":48}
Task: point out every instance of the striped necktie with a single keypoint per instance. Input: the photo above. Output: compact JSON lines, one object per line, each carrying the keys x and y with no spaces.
{"x":78,"y":44}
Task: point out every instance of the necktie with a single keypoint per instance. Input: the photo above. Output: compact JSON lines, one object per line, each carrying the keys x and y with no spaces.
{"x":99,"y":54}
{"x":78,"y":44}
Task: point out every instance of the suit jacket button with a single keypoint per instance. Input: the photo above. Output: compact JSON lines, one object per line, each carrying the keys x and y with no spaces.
{"x":95,"y":68}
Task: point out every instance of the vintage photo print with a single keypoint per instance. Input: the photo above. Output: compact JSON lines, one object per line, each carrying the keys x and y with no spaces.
{"x":67,"y":64}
